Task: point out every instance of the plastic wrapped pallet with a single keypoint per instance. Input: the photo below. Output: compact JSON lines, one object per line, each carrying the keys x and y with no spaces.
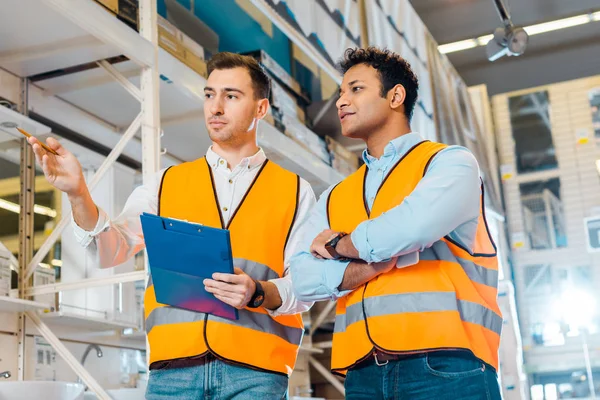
{"x":285,"y":102}
{"x":307,"y":138}
{"x":342,"y":159}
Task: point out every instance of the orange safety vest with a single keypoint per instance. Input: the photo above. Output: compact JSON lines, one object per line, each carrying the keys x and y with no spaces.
{"x":259,"y":230}
{"x":446,"y":301}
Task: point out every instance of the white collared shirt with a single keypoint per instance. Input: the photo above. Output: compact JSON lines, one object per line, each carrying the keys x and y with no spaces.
{"x":112,"y":242}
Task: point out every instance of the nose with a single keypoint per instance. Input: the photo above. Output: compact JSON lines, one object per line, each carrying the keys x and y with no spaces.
{"x":342,"y":102}
{"x":216,"y":106}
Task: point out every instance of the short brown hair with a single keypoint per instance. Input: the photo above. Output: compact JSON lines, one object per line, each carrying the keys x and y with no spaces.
{"x":260,"y":81}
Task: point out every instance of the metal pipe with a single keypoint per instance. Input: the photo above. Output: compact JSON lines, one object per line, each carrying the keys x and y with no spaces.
{"x":503,"y":12}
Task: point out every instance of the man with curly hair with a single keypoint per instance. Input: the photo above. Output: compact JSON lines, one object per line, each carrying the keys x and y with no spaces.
{"x":403,"y":246}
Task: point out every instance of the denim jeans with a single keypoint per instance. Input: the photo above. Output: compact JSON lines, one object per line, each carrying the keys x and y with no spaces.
{"x":447,"y":375}
{"x":215,"y":380}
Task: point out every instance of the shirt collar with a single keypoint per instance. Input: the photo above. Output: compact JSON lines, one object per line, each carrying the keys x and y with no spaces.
{"x":394,"y":149}
{"x":216,"y":161}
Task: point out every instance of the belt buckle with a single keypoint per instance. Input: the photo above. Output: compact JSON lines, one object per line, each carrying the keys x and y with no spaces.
{"x":377,"y":361}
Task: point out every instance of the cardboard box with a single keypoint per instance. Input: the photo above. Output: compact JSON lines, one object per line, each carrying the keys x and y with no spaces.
{"x":45,"y":276}
{"x":5,"y":274}
{"x":126,"y":10}
{"x":111,"y":5}
{"x":181,"y":46}
{"x":170,"y":39}
{"x":196,"y":63}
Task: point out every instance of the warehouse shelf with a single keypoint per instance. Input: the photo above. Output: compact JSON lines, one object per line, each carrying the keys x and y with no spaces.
{"x":85,"y":65}
{"x":92,"y":90}
{"x":62,"y":318}
{"x":14,"y":305}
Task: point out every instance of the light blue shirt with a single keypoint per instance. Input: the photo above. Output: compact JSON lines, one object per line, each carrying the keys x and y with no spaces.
{"x":445,"y":203}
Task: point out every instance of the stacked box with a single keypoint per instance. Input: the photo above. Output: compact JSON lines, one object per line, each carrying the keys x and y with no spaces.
{"x":181,"y":46}
{"x":5,"y":274}
{"x":45,"y":276}
{"x":307,"y":138}
{"x":286,"y":93}
{"x":277,"y":71}
{"x":125,"y":10}
{"x":285,"y":103}
{"x":342,"y":159}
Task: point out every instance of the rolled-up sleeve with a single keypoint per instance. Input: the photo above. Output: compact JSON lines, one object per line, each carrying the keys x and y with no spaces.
{"x":314,"y":279}
{"x":447,"y":197}
{"x":112,"y":242}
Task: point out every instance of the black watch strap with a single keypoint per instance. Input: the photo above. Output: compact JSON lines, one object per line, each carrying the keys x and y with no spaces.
{"x":258,"y":297}
{"x":331,"y":245}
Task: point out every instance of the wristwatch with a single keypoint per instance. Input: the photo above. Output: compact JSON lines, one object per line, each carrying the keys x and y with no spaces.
{"x":332,"y":243}
{"x":258,"y":297}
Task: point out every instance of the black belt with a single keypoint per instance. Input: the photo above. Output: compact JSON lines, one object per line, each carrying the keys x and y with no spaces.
{"x":382,"y":358}
{"x":183,"y":362}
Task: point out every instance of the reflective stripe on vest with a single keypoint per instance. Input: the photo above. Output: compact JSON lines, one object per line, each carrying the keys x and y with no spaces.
{"x":419,"y":302}
{"x":441,"y":251}
{"x":259,"y":230}
{"x":248,"y":319}
{"x":447,"y":300}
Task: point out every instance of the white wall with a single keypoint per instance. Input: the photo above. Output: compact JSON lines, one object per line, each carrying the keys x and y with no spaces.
{"x":570,"y":112}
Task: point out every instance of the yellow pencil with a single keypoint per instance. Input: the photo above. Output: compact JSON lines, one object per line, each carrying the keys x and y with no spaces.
{"x":27,"y":135}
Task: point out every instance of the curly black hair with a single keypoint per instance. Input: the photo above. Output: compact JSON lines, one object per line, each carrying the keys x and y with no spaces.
{"x":392,"y":68}
{"x":261,"y":84}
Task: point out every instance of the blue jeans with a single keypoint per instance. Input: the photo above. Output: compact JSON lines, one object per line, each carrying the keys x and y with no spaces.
{"x":215,"y":380}
{"x":448,"y":375}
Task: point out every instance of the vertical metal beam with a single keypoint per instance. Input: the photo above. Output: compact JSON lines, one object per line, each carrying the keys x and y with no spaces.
{"x":26,"y":216}
{"x":150,"y":85}
{"x":549,"y":218}
{"x":364,"y":30}
{"x":150,"y":94}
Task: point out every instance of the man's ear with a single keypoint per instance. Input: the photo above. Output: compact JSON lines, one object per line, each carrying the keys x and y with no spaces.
{"x":397,"y":95}
{"x":263,"y":108}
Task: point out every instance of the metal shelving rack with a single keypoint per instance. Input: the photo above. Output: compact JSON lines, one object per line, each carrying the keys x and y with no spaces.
{"x":54,"y":34}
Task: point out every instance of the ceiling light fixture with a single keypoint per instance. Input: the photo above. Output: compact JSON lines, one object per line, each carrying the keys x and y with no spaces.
{"x":14,"y":207}
{"x":531,"y":30}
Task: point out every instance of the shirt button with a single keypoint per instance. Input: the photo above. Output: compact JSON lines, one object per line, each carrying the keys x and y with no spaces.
{"x":231,"y":181}
{"x":221,"y":162}
{"x":225,"y":208}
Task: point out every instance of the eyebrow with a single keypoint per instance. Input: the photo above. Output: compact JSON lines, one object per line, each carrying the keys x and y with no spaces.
{"x":226,"y":89}
{"x":349,"y":84}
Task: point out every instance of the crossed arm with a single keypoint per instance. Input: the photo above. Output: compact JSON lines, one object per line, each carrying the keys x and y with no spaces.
{"x":445,"y":202}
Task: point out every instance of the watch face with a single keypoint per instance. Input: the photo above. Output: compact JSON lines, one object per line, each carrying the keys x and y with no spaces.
{"x":258,"y":300}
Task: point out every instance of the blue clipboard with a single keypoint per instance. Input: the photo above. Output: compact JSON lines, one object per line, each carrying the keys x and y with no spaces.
{"x":181,"y":255}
